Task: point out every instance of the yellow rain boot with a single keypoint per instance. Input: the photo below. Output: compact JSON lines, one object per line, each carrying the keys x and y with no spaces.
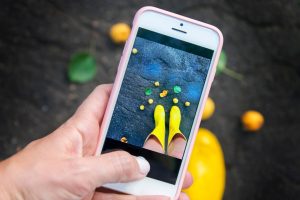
{"x":174,"y":124}
{"x":160,"y":128}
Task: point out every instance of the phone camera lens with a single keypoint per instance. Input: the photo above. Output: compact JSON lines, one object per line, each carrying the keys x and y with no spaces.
{"x":181,"y":24}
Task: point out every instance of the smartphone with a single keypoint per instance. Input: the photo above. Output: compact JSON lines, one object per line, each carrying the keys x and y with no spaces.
{"x":155,"y":108}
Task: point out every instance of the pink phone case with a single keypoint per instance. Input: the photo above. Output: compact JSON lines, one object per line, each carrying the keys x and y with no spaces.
{"x":118,"y":80}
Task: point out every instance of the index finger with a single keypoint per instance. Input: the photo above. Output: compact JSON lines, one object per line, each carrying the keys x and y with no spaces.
{"x":88,"y":117}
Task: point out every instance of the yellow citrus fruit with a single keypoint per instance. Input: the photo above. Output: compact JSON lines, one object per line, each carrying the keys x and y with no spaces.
{"x":207,"y":167}
{"x":209,"y":109}
{"x":252,"y":120}
{"x":119,"y":32}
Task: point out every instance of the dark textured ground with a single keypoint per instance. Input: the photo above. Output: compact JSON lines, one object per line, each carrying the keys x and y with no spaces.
{"x":262,"y":39}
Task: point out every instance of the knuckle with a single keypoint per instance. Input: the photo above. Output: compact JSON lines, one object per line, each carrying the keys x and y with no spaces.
{"x":125,"y":165}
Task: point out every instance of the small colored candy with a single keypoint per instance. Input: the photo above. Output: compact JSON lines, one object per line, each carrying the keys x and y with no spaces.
{"x":150,"y":101}
{"x":177,"y":89}
{"x":156,"y":83}
{"x":124,"y":140}
{"x":142,"y":107}
{"x":163,"y":93}
{"x":134,"y":51}
{"x":175,"y":100}
{"x":148,"y":91}
{"x":187,"y":103}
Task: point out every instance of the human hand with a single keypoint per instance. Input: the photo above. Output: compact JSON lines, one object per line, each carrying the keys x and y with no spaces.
{"x":62,"y":166}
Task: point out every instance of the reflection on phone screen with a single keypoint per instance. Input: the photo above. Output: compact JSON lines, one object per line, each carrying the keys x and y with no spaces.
{"x":158,"y":100}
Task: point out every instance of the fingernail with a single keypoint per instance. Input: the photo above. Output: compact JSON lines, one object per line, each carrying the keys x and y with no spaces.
{"x":143,"y":165}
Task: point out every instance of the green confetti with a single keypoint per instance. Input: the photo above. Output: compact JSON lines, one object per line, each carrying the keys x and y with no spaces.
{"x":82,"y":67}
{"x":177,"y":89}
{"x":148,"y":91}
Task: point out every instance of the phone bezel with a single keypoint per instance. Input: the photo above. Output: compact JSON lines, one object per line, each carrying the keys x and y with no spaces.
{"x":198,"y":33}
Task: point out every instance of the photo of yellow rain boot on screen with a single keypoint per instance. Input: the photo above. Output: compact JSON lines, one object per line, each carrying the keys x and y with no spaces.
{"x":176,"y":140}
{"x":156,"y":139}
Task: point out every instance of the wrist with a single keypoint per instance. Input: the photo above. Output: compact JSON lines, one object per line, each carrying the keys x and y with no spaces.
{"x":8,"y":189}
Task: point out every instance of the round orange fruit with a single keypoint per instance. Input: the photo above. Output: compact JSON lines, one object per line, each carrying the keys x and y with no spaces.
{"x":252,"y":120}
{"x":119,"y":32}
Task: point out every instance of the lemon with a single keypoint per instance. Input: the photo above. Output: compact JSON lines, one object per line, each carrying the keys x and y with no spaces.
{"x":252,"y":120}
{"x":119,"y":33}
{"x":209,"y":109}
{"x":207,"y":167}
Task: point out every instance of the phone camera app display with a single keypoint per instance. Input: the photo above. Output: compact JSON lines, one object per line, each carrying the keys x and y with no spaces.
{"x":158,"y":101}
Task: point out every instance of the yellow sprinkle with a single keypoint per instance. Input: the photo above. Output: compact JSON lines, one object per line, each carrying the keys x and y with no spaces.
{"x":156,"y":83}
{"x":163,"y":93}
{"x":142,"y":107}
{"x":134,"y":51}
{"x":175,"y":100}
{"x":150,"y":101}
{"x":187,"y":103}
{"x":124,"y":140}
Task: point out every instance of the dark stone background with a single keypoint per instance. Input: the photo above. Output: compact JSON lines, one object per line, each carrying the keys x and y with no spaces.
{"x":262,"y":40}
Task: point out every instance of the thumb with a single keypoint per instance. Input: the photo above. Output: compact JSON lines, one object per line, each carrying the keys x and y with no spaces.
{"x":114,"y":167}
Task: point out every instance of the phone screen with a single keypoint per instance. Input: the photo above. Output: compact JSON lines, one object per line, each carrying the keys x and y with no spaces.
{"x":158,"y":101}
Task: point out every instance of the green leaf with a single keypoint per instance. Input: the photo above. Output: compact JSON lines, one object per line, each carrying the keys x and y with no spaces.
{"x":82,"y":67}
{"x":222,"y":62}
{"x":222,"y":68}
